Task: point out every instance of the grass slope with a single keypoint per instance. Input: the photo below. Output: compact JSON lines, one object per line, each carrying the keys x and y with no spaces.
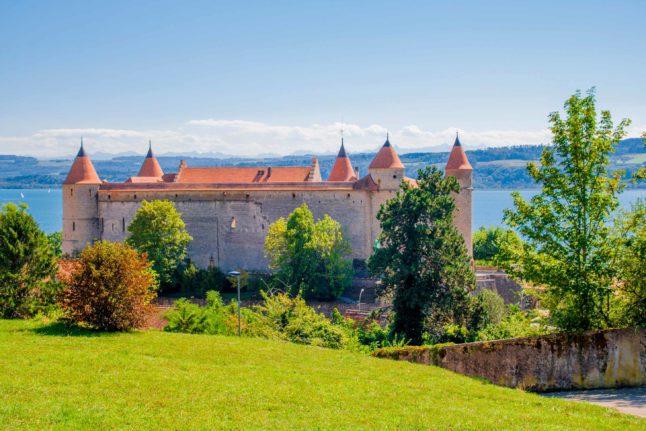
{"x":156,"y":380}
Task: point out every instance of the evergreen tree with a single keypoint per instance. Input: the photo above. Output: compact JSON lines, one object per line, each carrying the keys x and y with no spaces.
{"x":158,"y":230}
{"x":27,"y":264}
{"x":566,"y":225}
{"x":422,"y":259}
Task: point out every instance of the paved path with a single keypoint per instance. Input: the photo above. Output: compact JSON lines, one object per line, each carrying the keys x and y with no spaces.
{"x":626,"y":400}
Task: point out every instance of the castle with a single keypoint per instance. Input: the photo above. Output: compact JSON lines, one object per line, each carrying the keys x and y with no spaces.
{"x":228,"y":210}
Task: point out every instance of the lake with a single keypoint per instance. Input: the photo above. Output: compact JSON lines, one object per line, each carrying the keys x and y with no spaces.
{"x":47,"y":208}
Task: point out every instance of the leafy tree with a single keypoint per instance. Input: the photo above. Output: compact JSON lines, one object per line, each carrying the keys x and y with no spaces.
{"x":27,"y":264}
{"x":488,"y":242}
{"x":422,"y":259}
{"x":488,"y":308}
{"x":630,"y":259}
{"x":56,"y":241}
{"x":110,"y":288}
{"x":566,"y":224}
{"x":309,"y":258}
{"x":158,"y":230}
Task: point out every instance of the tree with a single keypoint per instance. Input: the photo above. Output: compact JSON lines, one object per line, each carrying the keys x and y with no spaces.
{"x":630,"y":255}
{"x":27,"y":264}
{"x":488,"y":242}
{"x":566,"y":225}
{"x":56,"y":241}
{"x":110,"y":288}
{"x":422,"y":259}
{"x":158,"y":230}
{"x":309,"y":258}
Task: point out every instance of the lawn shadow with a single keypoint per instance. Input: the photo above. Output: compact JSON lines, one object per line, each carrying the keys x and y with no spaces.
{"x":61,"y":329}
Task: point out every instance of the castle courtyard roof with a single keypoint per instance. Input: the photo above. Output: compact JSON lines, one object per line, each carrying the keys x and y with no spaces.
{"x":237,"y":175}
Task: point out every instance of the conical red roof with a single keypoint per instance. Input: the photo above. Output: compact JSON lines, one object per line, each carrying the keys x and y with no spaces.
{"x":150,"y":167}
{"x":458,"y":158}
{"x":82,"y":170}
{"x":342,"y":169}
{"x":386,"y":158}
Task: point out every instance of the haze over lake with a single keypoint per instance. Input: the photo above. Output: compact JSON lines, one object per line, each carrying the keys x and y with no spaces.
{"x":47,"y":206}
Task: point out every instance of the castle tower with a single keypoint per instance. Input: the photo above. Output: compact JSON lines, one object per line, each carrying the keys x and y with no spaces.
{"x":459,"y":167}
{"x":342,"y":169}
{"x":150,"y":167}
{"x":80,"y":205}
{"x":386,"y":169}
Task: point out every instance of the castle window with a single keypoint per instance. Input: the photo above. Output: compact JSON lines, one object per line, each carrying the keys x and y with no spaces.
{"x":293,"y":195}
{"x":71,"y":192}
{"x":123,"y":224}
{"x":102,"y":225}
{"x":394,"y":176}
{"x":90,"y":192}
{"x":234,"y":223}
{"x":73,"y":226}
{"x":135,"y":197}
{"x":109,"y":197}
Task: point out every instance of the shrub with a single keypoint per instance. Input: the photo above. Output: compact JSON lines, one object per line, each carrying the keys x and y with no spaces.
{"x":517,"y":323}
{"x":214,"y":318}
{"x":194,"y":281}
{"x":110,"y":288}
{"x":488,"y":308}
{"x":27,"y":265}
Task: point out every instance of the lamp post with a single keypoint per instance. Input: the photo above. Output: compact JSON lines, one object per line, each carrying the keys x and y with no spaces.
{"x":237,"y":275}
{"x":360,"y":293}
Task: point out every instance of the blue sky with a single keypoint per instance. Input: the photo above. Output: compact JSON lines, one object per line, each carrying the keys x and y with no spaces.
{"x":279,"y":77}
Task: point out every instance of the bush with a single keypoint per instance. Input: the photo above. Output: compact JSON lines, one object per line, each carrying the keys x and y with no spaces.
{"x":194,"y":281}
{"x":488,"y":308}
{"x":27,"y":265}
{"x":110,"y":288}
{"x":516,"y":324}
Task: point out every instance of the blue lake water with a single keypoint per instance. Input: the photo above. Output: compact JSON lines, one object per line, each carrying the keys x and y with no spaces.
{"x":46,"y":206}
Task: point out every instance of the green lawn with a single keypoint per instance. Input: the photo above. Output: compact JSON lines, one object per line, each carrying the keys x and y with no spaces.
{"x":161,"y":381}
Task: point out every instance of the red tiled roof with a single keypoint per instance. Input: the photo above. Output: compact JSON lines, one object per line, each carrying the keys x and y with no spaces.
{"x":342,"y":169}
{"x":144,"y":180}
{"x":82,"y":171}
{"x":150,"y":168}
{"x":230,"y":175}
{"x":366,"y":183}
{"x":386,"y":158}
{"x":458,"y":158}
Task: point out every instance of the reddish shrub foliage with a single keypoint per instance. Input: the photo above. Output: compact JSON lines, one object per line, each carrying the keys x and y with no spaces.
{"x":110,"y":288}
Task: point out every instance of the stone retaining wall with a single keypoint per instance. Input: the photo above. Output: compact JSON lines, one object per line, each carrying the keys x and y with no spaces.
{"x":606,"y":359}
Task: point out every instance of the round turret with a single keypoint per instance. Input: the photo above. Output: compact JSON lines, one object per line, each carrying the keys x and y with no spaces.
{"x":80,"y":205}
{"x":458,"y":166}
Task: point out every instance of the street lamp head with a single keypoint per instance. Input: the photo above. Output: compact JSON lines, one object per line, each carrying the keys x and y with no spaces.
{"x":234,"y":273}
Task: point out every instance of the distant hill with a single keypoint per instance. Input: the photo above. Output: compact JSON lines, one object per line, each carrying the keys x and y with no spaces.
{"x":494,"y":168}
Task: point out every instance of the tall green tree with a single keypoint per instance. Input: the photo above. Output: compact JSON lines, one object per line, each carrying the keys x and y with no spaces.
{"x":309,"y":258}
{"x":27,"y":264}
{"x":422,"y":259}
{"x":488,"y":242}
{"x":566,"y":225}
{"x":158,"y":230}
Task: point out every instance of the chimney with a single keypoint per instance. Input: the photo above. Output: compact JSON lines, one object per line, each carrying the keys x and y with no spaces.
{"x":268,"y":172}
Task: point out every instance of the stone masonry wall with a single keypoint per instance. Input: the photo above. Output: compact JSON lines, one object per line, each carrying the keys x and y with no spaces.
{"x":231,"y":226}
{"x":605,"y":359}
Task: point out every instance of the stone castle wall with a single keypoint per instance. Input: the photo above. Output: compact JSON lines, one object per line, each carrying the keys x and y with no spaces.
{"x":231,"y":226}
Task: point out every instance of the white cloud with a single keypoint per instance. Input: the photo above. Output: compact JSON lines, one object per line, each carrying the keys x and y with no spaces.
{"x":249,"y":138}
